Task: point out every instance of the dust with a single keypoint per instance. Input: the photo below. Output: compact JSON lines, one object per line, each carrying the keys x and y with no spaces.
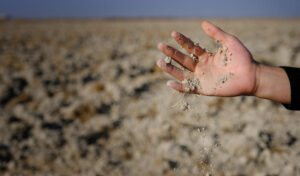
{"x":182,"y":103}
{"x":225,"y":78}
{"x":190,"y":85}
{"x":185,"y":106}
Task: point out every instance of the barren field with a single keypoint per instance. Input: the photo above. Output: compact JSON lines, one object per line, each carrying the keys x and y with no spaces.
{"x":84,"y":97}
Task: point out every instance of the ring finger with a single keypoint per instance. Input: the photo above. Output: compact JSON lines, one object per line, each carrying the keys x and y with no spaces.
{"x":172,"y":70}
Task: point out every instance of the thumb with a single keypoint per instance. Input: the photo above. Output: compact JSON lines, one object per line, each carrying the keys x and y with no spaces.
{"x":215,"y":32}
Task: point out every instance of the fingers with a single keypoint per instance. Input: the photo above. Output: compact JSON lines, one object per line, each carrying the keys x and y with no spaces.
{"x":175,"y":85}
{"x":171,"y":69}
{"x":180,"y":87}
{"x":181,"y":58}
{"x":187,"y":44}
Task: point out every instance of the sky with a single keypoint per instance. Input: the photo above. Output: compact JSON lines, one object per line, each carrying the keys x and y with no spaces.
{"x":149,"y":8}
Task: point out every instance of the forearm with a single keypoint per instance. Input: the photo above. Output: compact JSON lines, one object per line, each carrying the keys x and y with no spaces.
{"x":273,"y":84}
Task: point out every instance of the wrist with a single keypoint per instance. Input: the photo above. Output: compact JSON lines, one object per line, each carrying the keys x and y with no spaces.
{"x":272,"y":83}
{"x":258,"y":76}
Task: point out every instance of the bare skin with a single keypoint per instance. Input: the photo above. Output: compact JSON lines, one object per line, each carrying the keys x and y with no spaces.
{"x":231,"y":71}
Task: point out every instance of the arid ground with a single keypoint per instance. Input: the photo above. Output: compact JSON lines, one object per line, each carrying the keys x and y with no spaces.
{"x":84,"y":97}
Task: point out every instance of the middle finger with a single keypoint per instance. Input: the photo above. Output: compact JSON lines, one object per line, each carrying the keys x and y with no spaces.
{"x":188,"y":44}
{"x":182,"y":59}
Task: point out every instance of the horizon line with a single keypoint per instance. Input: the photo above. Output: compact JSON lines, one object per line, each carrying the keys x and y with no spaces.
{"x":145,"y":17}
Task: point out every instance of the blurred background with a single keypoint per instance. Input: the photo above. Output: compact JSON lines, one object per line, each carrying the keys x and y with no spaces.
{"x":80,"y":93}
{"x":153,"y":8}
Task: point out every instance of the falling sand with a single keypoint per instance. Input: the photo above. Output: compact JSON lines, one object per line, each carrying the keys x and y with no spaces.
{"x":190,"y":85}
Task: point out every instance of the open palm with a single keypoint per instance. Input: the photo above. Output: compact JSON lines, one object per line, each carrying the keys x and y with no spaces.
{"x":229,"y":72}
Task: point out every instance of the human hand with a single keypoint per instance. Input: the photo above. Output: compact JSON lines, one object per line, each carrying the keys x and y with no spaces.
{"x":229,"y":72}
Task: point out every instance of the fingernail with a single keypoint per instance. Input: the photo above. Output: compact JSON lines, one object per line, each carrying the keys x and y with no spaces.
{"x":169,"y":83}
{"x":173,"y":34}
{"x":160,"y":45}
{"x":159,"y":63}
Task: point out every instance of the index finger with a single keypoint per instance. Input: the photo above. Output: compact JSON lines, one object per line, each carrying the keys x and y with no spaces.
{"x":187,"y":44}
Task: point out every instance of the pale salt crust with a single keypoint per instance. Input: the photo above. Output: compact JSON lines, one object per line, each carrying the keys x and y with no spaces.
{"x":225,"y":48}
{"x":191,"y":85}
{"x":219,"y":50}
{"x":168,"y":60}
{"x":194,"y":57}
{"x":208,"y":52}
{"x":224,"y":56}
{"x":219,"y":45}
{"x":224,"y":60}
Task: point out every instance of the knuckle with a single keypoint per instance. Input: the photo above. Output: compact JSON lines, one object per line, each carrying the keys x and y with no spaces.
{"x":198,"y":51}
{"x":181,"y":39}
{"x":170,"y":50}
{"x":170,"y":68}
